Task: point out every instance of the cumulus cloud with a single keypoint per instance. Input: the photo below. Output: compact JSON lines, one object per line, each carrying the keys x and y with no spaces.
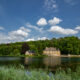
{"x":42,"y":38}
{"x":25,"y":29}
{"x":42,"y":22}
{"x":15,"y":36}
{"x":18,"y":33}
{"x":22,"y":34}
{"x":51,"y":5}
{"x":1,"y":28}
{"x":77,"y":28}
{"x":37,"y":38}
{"x":3,"y":38}
{"x":54,"y":21}
{"x":60,"y":30}
{"x":34,"y":27}
{"x":30,"y":39}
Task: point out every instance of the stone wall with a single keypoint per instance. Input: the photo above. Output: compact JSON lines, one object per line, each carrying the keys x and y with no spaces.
{"x":51,"y":53}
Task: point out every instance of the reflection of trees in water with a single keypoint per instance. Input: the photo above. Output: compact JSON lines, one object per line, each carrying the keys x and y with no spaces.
{"x":43,"y":63}
{"x":34,"y":63}
{"x":50,"y":63}
{"x":71,"y":63}
{"x":7,"y":61}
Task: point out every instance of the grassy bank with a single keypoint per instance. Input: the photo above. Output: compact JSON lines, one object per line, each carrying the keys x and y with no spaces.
{"x":23,"y":56}
{"x":13,"y":73}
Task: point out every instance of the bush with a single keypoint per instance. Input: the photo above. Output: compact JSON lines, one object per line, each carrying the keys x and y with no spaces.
{"x":16,"y":52}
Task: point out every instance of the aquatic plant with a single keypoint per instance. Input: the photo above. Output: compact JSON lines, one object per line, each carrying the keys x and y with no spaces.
{"x":13,"y":73}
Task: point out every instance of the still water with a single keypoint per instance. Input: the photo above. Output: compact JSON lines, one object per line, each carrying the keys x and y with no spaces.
{"x":50,"y":63}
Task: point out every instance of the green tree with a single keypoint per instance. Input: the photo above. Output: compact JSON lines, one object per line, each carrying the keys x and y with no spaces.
{"x":25,"y":47}
{"x":16,"y":52}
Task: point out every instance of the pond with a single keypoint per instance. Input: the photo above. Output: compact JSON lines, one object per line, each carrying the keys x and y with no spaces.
{"x":50,"y":63}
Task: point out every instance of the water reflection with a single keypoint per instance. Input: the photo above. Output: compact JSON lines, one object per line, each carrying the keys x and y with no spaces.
{"x":10,"y":61}
{"x":52,"y":61}
{"x":34,"y":62}
{"x":49,"y":63}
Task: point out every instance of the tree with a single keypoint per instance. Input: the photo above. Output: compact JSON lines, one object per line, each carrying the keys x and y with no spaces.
{"x":16,"y":52}
{"x":25,"y":47}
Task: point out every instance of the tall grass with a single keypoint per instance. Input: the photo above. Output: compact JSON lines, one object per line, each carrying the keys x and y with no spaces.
{"x":13,"y":73}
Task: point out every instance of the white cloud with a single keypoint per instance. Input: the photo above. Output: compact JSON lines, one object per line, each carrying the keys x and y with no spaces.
{"x":23,"y":32}
{"x":15,"y":36}
{"x":24,"y":29}
{"x":3,"y":38}
{"x":51,"y":5}
{"x":34,"y":27}
{"x":37,"y":38}
{"x":1,"y":28}
{"x":18,"y":33}
{"x":30,"y":39}
{"x":60,"y":30}
{"x":77,"y":28}
{"x":42,"y":22}
{"x":42,"y":38}
{"x":54,"y":21}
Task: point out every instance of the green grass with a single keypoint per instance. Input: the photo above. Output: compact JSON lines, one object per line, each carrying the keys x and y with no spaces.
{"x":24,"y":55}
{"x":13,"y":73}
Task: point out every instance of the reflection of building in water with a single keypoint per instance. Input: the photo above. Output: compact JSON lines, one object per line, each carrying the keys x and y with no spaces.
{"x":51,"y":51}
{"x":45,"y":63}
{"x":27,"y":60}
{"x":52,"y":61}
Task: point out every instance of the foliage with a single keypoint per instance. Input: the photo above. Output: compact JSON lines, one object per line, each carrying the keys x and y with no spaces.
{"x":13,"y":73}
{"x":25,"y":47}
{"x":16,"y":52}
{"x":67,"y":45}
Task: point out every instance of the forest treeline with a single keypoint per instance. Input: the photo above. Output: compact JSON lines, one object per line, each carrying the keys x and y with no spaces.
{"x":67,"y":45}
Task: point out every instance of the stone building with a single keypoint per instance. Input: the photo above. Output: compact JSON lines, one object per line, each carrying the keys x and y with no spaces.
{"x":51,"y":51}
{"x":29,"y":52}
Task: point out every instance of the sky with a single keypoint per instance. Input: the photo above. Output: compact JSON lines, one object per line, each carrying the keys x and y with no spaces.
{"x":30,"y":20}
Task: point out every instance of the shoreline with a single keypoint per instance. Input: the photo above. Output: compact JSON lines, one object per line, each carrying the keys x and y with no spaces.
{"x":44,"y":56}
{"x":70,"y":56}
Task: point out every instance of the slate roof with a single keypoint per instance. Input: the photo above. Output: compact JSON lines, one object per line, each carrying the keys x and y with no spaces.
{"x":31,"y":52}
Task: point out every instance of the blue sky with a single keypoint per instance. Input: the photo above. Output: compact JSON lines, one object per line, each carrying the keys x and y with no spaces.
{"x":25,"y":20}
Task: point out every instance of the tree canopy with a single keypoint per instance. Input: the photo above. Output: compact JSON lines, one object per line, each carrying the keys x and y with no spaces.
{"x":67,"y":45}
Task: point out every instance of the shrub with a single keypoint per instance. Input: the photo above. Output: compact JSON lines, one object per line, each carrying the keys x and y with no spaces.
{"x":16,"y":52}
